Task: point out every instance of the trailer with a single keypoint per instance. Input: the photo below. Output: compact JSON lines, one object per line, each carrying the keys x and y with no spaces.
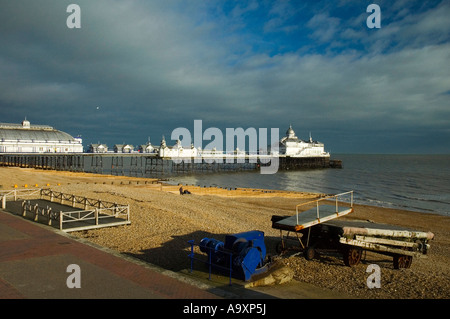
{"x":321,"y":228}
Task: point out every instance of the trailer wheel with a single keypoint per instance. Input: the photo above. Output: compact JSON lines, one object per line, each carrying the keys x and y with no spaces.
{"x":309,"y":253}
{"x":279,"y":248}
{"x":352,"y":256}
{"x":402,"y":261}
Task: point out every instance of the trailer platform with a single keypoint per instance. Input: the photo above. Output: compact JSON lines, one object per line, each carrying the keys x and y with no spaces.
{"x":321,"y":212}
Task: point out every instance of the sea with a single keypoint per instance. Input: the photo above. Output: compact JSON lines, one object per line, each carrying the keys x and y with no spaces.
{"x":410,"y":182}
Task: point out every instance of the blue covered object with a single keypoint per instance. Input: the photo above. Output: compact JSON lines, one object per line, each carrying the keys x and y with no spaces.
{"x":247,"y":250}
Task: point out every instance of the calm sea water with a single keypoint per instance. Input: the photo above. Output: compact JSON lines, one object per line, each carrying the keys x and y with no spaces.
{"x":411,"y":182}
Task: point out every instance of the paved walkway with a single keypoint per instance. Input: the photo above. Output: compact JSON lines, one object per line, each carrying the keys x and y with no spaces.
{"x":34,"y":262}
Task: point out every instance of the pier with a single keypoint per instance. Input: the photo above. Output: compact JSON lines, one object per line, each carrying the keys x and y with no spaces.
{"x":151,"y":165}
{"x":292,"y":154}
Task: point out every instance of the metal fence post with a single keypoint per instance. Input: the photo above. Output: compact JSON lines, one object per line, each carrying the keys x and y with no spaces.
{"x":351,"y":199}
{"x":231,"y":266}
{"x":317,"y":204}
{"x":192,"y":254}
{"x":210,"y":266}
{"x":337,"y":209}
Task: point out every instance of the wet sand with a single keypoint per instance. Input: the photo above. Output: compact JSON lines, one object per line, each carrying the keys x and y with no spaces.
{"x":162,"y":221}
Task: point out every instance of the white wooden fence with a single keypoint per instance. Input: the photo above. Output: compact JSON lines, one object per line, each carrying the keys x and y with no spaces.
{"x":91,"y":213}
{"x":16,"y":194}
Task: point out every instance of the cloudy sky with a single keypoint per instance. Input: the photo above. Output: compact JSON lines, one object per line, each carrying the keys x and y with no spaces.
{"x":139,"y":69}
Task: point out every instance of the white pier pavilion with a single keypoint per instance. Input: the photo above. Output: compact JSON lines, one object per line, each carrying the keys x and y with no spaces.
{"x":27,"y":138}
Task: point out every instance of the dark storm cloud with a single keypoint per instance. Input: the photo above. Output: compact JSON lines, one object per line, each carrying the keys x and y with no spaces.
{"x":142,"y":68}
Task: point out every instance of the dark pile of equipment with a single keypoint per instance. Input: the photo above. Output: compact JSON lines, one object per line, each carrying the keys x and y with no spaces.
{"x":246,"y":250}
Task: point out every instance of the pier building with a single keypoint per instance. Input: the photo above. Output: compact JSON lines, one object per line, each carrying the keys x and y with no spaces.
{"x":291,"y":146}
{"x":97,"y":148}
{"x":177,"y":150}
{"x":123,"y":148}
{"x":147,"y":148}
{"x":27,"y":138}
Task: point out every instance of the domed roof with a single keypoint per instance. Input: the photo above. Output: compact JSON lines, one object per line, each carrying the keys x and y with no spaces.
{"x":290,"y":132}
{"x":26,"y":124}
{"x":25,"y":131}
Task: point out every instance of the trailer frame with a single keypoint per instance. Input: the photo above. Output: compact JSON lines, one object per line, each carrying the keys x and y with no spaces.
{"x":350,"y":237}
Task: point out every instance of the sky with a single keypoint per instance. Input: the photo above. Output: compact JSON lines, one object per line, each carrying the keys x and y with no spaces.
{"x":137,"y":70}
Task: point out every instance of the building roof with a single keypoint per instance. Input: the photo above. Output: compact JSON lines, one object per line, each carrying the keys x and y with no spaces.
{"x":290,"y":131}
{"x":25,"y":131}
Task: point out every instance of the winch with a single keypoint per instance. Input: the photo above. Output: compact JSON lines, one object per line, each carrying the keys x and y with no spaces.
{"x":246,"y":250}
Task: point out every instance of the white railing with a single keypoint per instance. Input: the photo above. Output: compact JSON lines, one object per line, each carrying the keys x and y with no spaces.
{"x":75,"y":201}
{"x":95,"y":215}
{"x":328,"y":198}
{"x":16,"y":194}
{"x":92,"y":212}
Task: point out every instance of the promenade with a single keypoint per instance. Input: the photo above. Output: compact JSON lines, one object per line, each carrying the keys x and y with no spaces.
{"x":34,"y":262}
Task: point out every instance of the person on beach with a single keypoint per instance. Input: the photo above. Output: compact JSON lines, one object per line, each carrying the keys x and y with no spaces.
{"x":183,"y":192}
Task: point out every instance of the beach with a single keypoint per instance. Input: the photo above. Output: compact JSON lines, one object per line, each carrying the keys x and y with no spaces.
{"x":162,"y":222}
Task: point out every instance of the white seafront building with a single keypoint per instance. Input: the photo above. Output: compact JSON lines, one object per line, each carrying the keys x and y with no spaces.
{"x":292,"y":146}
{"x":289,"y":146}
{"x":179,"y":151}
{"x":27,"y":138}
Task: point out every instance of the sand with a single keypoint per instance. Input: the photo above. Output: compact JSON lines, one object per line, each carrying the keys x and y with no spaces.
{"x":162,"y":222}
